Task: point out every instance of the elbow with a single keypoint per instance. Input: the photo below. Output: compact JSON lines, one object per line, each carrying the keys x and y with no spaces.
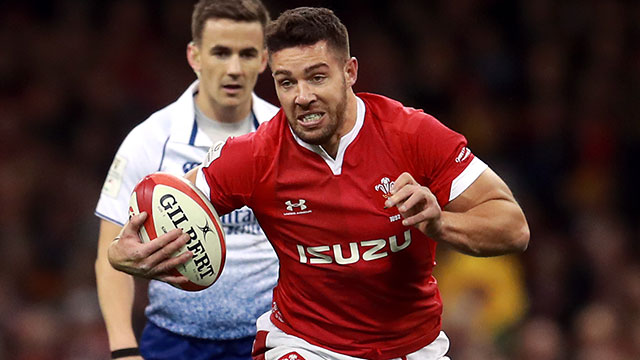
{"x":520,"y":239}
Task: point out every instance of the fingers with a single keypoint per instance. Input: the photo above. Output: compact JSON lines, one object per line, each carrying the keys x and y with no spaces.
{"x":132,"y":227}
{"x":416,"y":203}
{"x":163,"y":270}
{"x":162,"y":259}
{"x":173,"y":279}
{"x":402,"y":180}
{"x":397,"y":195}
{"x":426,"y":213}
{"x":153,"y":259}
{"x":162,"y":243}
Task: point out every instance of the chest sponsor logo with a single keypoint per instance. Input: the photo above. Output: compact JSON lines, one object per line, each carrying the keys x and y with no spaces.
{"x":367,"y":250}
{"x":296,"y":208}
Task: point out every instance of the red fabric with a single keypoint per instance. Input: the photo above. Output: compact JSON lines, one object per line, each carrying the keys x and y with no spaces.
{"x":259,"y":345}
{"x":291,"y":356}
{"x":353,"y":279}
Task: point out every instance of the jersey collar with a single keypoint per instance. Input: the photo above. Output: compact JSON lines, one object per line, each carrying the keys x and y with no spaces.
{"x":183,"y":115}
{"x":336,"y":164}
{"x":185,"y":129}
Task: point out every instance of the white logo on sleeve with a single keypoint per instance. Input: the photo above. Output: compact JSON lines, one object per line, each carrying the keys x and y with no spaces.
{"x":213,"y":153}
{"x":113,"y":182}
{"x":463,"y":155}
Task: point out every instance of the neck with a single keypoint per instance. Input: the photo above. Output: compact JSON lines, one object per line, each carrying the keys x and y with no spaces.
{"x":225,"y":114}
{"x":349,"y":121}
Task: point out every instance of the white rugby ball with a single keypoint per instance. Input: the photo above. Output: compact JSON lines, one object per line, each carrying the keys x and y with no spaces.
{"x":173,"y":202}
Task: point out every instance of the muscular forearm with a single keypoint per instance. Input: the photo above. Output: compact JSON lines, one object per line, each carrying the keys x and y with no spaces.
{"x":115,"y":293}
{"x":495,"y":227}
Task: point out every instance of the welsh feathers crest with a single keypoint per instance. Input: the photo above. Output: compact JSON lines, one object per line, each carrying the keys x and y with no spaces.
{"x":385,"y":186}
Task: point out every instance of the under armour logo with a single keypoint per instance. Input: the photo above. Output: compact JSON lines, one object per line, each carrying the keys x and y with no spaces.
{"x":300,"y":204}
{"x":385,"y":186}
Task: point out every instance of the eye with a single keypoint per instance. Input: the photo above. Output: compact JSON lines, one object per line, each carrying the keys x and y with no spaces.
{"x":318,"y":78}
{"x":220,"y":52}
{"x":285,"y":83}
{"x":249,"y":54}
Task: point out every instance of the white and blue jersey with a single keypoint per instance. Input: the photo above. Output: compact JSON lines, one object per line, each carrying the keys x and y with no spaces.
{"x":170,"y":140}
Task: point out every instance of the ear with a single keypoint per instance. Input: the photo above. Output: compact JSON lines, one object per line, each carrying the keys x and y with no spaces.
{"x":264,"y":60}
{"x":193,"y":56}
{"x":351,"y":71}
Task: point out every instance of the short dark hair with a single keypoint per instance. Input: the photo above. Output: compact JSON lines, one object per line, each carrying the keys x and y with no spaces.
{"x":306,"y":26}
{"x":237,"y":10}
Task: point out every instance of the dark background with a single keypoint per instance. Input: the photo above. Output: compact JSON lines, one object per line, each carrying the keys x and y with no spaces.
{"x":547,"y":92}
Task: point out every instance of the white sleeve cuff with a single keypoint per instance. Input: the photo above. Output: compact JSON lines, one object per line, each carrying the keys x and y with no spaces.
{"x":201,"y":183}
{"x":467,"y":177}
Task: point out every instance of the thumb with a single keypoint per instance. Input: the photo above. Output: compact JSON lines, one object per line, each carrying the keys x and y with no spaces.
{"x":135,"y":223}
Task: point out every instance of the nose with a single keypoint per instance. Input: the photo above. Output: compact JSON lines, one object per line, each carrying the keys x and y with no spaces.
{"x":234,"y":67}
{"x":305,"y":95}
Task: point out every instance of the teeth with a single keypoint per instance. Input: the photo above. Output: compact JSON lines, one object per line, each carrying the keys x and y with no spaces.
{"x":311,"y":117}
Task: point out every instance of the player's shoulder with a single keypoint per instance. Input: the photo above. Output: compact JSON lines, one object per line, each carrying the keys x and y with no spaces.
{"x":396,"y":116}
{"x":265,"y":139}
{"x":158,"y":127}
{"x":150,"y":133}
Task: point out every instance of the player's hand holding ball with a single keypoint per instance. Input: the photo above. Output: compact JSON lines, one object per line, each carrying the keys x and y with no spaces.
{"x":174,"y":235}
{"x":152,"y":260}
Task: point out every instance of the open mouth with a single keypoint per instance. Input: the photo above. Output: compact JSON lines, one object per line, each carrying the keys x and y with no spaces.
{"x":310,"y":118}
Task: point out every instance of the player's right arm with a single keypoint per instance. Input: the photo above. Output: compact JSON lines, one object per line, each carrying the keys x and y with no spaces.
{"x":115,"y":293}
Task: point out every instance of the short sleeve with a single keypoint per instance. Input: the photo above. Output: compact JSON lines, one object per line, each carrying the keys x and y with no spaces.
{"x":227,"y":175}
{"x":130,"y":164}
{"x":445,"y":161}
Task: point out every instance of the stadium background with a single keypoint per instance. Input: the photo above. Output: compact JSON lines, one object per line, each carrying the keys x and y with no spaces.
{"x":546,"y":91}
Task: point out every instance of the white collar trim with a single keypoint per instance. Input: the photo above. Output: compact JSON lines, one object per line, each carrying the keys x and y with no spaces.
{"x":345,"y":141}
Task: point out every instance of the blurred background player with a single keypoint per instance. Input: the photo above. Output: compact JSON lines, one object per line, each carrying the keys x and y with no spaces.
{"x":354,"y":191}
{"x":227,"y":54}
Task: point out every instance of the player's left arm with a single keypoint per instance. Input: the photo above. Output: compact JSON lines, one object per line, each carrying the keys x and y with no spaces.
{"x":485,"y":220}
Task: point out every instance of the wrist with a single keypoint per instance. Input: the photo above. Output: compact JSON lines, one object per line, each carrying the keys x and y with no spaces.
{"x":125,"y":352}
{"x":435,"y":229}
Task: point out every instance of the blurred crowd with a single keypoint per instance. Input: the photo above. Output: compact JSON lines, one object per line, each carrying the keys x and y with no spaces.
{"x":547,"y":92}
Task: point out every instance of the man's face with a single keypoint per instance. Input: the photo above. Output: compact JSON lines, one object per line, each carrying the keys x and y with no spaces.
{"x":312,"y":83}
{"x":229,"y":59}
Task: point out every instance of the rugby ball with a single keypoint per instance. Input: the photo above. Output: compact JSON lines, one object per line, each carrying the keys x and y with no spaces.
{"x":173,"y":202}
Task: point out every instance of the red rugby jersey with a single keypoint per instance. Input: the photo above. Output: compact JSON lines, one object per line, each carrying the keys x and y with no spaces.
{"x":353,"y":279}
